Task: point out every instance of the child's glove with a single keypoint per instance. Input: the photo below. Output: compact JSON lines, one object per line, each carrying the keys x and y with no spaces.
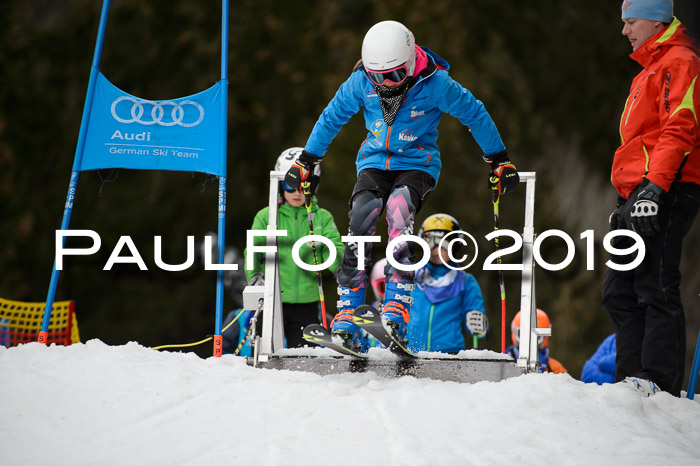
{"x":477,"y":322}
{"x":503,"y":175}
{"x":300,"y":169}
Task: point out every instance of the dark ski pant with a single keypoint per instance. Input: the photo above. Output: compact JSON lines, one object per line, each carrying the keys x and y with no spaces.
{"x":644,"y":304}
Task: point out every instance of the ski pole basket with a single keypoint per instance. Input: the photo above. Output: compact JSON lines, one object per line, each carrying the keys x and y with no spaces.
{"x":20,"y":322}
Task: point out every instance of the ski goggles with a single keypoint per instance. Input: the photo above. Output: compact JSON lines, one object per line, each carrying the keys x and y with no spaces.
{"x":395,"y":75}
{"x":433,"y":239}
{"x":287,"y":188}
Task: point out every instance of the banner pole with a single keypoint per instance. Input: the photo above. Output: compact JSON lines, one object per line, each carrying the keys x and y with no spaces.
{"x":70,"y":197}
{"x":218,"y":339}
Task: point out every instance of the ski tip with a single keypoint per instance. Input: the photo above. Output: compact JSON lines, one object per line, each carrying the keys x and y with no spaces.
{"x":315,"y":328}
{"x":366,"y":311}
{"x":315,"y":333}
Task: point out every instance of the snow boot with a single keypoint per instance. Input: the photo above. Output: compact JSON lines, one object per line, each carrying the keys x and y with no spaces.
{"x":396,"y":309}
{"x":343,"y":326}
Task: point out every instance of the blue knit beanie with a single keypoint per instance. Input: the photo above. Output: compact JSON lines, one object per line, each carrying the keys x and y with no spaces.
{"x":653,"y":10}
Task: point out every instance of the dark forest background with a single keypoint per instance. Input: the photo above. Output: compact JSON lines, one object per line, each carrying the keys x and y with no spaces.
{"x":554,"y":76}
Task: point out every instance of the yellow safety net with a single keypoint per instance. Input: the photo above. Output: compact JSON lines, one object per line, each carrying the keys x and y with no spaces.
{"x":20,"y":322}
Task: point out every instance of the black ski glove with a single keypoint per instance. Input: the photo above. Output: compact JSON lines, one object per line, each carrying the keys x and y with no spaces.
{"x":503,"y":176}
{"x":645,"y":210}
{"x":300,"y":169}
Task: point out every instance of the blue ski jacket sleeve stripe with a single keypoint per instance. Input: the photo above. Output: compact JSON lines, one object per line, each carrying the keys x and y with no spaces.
{"x":410,"y":143}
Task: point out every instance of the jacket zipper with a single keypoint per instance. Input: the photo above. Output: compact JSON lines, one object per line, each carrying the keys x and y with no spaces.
{"x":634,"y":99}
{"x":388,"y":137}
{"x":421,"y":148}
{"x":296,"y":235}
{"x":362,"y":147}
{"x":430,"y":327}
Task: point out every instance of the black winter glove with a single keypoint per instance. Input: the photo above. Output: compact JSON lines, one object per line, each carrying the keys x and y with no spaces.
{"x":503,"y":176}
{"x":300,"y":169}
{"x":645,"y":210}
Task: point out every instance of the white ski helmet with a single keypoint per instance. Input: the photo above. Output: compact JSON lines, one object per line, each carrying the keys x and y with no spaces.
{"x":389,"y":44}
{"x":287,"y":158}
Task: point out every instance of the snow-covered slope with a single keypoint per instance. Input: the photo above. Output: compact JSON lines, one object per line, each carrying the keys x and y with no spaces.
{"x":97,"y":404}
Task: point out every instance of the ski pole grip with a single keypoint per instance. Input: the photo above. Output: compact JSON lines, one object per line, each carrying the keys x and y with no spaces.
{"x":306,"y":190}
{"x":494,"y":187}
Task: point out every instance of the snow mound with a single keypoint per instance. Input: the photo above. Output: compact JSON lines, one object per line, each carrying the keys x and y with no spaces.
{"x":92,"y":403}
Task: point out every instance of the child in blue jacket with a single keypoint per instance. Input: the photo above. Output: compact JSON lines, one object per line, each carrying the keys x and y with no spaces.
{"x":403,"y":90}
{"x":446,"y":300}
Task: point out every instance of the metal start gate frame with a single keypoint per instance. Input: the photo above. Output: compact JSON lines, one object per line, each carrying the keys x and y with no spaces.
{"x":528,"y":359}
{"x":272,"y":339}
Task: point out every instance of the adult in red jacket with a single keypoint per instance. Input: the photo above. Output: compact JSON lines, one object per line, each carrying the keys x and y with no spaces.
{"x":656,"y":171}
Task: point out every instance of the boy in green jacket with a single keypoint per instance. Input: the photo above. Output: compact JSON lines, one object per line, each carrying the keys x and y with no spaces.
{"x":300,"y":297}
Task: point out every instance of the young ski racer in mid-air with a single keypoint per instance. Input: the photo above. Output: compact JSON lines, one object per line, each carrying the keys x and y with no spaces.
{"x":403,"y":89}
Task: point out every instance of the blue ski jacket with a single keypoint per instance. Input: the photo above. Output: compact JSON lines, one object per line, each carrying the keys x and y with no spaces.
{"x":441,"y":301}
{"x":600,"y":368}
{"x":410,"y":143}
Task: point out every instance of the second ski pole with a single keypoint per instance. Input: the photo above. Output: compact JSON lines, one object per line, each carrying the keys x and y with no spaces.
{"x":496,"y":201}
{"x":306,"y":189}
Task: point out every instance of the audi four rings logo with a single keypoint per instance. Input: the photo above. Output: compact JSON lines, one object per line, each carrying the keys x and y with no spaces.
{"x":158,"y":109}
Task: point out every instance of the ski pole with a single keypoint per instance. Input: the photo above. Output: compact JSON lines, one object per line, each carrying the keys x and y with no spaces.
{"x":694,"y":371}
{"x":306,"y":189}
{"x":475,"y":341}
{"x":496,"y":201}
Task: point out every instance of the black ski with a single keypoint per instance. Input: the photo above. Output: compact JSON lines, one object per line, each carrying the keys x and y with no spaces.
{"x":370,"y":319}
{"x":318,"y":335}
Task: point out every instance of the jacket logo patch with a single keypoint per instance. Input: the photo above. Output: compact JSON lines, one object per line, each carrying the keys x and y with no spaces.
{"x":415,"y":114}
{"x":376,"y":128}
{"x":407,"y":135}
{"x":667,"y":91}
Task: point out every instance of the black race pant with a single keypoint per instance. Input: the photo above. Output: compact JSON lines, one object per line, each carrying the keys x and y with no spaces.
{"x":644,"y":304}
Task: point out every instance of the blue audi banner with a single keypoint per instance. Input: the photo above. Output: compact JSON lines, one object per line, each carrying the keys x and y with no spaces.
{"x":128,"y":132}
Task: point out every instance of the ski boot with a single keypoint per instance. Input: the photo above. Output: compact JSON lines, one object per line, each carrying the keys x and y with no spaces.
{"x":642,"y":387}
{"x":342,"y":325}
{"x":396,"y":309}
